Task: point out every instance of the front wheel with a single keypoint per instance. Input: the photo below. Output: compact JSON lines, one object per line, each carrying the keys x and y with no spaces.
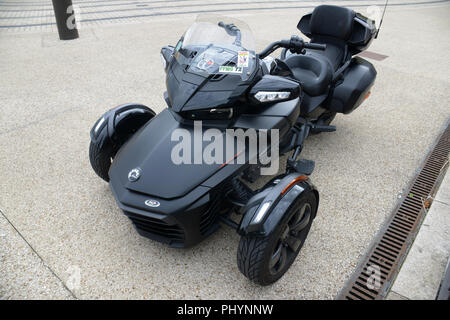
{"x":111,"y":131}
{"x":265,"y":259}
{"x":100,"y":158}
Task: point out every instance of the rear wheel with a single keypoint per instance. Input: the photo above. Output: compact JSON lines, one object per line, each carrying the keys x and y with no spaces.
{"x":266,"y":259}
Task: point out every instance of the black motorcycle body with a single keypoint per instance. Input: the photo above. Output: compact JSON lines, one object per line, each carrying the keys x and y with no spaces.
{"x":298,"y":94}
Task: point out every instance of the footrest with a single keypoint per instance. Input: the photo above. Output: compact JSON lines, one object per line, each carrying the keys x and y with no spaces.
{"x":319,"y":128}
{"x":302,"y":166}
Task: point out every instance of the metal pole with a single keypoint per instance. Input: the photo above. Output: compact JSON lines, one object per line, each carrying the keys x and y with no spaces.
{"x":65,"y":19}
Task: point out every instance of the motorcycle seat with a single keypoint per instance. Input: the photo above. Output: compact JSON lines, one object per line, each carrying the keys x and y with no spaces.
{"x":313,"y":71}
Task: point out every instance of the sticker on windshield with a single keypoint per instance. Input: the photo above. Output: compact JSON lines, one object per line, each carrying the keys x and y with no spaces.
{"x":205,"y":64}
{"x":243,"y":59}
{"x":230,"y":69}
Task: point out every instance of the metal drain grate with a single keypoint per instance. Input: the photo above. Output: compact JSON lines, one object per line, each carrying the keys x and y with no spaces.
{"x":375,"y":274}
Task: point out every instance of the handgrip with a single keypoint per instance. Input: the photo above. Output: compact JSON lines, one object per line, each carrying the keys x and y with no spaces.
{"x":315,"y":46}
{"x":229,"y":27}
{"x":296,"y":45}
{"x":232,"y":30}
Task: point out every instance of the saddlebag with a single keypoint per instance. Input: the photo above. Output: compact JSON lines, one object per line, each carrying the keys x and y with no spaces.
{"x":353,"y":89}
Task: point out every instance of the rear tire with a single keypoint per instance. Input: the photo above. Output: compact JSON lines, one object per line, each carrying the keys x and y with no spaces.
{"x":100,"y":158}
{"x":257,"y":256}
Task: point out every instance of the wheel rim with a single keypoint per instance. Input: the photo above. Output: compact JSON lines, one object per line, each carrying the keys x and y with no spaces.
{"x":291,"y":239}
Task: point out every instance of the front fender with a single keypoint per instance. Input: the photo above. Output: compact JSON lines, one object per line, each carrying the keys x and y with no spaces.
{"x":266,"y":209}
{"x":117,"y":124}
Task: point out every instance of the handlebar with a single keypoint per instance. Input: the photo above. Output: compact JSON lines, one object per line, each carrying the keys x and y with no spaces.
{"x":295,"y":44}
{"x":315,"y":46}
{"x":232,"y":30}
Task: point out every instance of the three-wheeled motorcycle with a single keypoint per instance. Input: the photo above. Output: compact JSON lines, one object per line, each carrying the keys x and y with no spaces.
{"x":215,"y":76}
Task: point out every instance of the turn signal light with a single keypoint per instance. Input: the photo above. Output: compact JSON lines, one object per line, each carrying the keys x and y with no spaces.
{"x":300,"y":178}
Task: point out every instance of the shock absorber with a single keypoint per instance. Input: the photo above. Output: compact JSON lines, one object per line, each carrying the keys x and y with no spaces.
{"x":240,"y":193}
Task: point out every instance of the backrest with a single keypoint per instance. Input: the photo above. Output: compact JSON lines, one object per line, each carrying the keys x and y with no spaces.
{"x":333,"y":26}
{"x":332,"y":21}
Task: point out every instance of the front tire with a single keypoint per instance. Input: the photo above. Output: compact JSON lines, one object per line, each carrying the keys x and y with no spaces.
{"x":111,"y":131}
{"x":100,"y":158}
{"x":265,"y":259}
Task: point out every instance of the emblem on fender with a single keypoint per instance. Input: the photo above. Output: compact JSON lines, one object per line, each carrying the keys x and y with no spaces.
{"x":152,"y":203}
{"x":134,"y":174}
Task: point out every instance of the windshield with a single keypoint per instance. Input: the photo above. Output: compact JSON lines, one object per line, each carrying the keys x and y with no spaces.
{"x":217,"y":45}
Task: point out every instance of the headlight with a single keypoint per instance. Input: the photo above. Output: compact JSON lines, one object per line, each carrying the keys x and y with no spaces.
{"x":266,"y":96}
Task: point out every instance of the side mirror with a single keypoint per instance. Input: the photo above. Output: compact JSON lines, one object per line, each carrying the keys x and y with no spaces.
{"x":166,"y":55}
{"x":274,"y":89}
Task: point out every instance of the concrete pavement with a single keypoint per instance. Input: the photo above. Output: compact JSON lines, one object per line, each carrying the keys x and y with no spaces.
{"x":37,"y":16}
{"x":52,"y":92}
{"x":24,"y":274}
